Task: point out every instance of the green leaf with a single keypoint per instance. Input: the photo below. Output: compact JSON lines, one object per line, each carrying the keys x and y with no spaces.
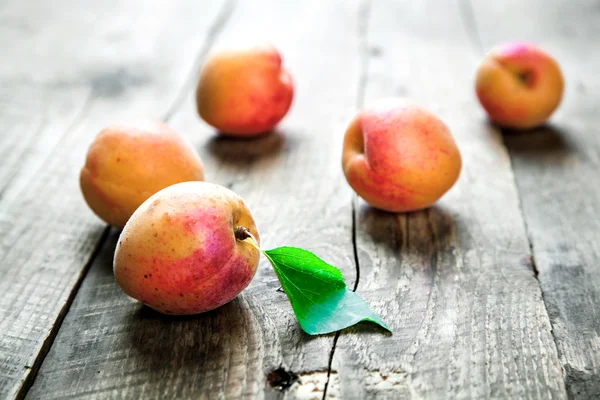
{"x":317,"y":291}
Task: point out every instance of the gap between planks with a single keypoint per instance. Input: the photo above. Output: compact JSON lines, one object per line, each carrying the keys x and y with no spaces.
{"x":470,"y":24}
{"x":472,"y":29}
{"x":364,"y":12}
{"x":214,"y":31}
{"x":30,"y":378}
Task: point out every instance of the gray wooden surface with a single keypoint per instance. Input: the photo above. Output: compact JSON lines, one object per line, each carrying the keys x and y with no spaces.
{"x":492,"y":293}
{"x":557,"y":170}
{"x":77,"y":66}
{"x":229,"y":351}
{"x":455,"y":281}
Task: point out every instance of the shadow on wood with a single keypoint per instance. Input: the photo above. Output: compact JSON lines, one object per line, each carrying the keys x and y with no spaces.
{"x":243,"y":151}
{"x":548,"y":142}
{"x":423,"y":227}
{"x":190,"y":345}
{"x":145,"y":313}
{"x":105,"y":257}
{"x":199,"y":347}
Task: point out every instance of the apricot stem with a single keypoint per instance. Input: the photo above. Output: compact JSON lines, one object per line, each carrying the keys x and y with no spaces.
{"x":242,"y":233}
{"x":525,"y":77}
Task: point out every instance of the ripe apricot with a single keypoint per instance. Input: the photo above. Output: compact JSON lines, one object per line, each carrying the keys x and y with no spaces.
{"x":181,"y":252}
{"x":399,"y":157}
{"x":129,"y":162}
{"x":244,"y":92}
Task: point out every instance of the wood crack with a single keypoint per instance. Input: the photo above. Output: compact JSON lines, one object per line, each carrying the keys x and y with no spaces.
{"x":354,"y":243}
{"x":470,"y":23}
{"x":331,"y":354}
{"x":364,"y":11}
{"x":45,"y":348}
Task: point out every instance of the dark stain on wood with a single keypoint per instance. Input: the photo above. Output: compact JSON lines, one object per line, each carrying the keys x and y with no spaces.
{"x":281,"y":379}
{"x":115,"y":83}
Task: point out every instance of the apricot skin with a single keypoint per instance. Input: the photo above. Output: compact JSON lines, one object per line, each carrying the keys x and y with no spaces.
{"x":128,"y":162}
{"x":178,"y":253}
{"x":400,"y":157}
{"x":244,"y":92}
{"x":519,"y":85}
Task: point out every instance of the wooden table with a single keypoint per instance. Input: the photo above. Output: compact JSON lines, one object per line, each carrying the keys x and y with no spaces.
{"x":492,"y":293}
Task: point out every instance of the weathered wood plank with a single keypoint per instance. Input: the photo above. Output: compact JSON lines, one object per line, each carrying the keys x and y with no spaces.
{"x":453,"y":282}
{"x":557,"y":173}
{"x":32,"y":121}
{"x":91,"y":63}
{"x":111,"y":346}
{"x":36,"y":106}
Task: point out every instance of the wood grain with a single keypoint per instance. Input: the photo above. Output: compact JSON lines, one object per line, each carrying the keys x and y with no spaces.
{"x":38,"y":100}
{"x":557,"y":172}
{"x":83,"y":66}
{"x":33,"y":119}
{"x":454,"y":282}
{"x":110,"y":346}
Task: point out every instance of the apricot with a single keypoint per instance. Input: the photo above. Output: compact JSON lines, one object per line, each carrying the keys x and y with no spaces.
{"x":399,"y":157}
{"x":181,"y":253}
{"x":130,"y":161}
{"x":519,"y":85}
{"x":244,"y":92}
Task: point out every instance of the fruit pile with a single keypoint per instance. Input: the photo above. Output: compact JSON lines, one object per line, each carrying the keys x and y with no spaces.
{"x":188,"y":246}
